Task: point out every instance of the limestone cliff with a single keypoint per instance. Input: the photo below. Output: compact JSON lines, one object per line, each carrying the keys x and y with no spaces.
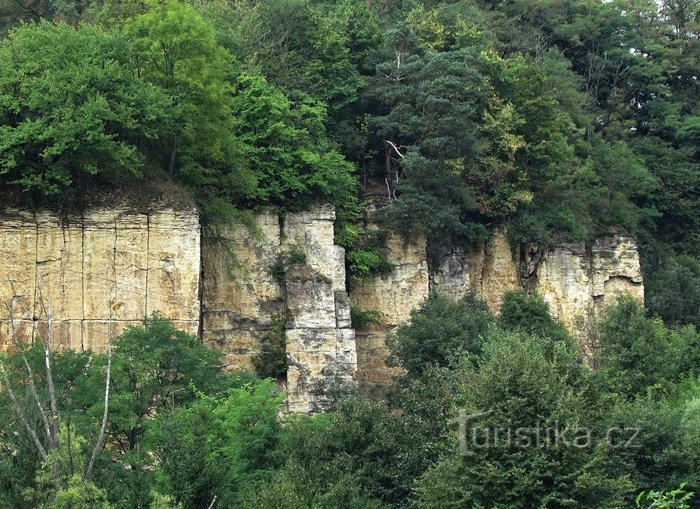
{"x":93,"y":274}
{"x":392,"y":296}
{"x":241,"y":297}
{"x":575,"y":282}
{"x":486,"y":269}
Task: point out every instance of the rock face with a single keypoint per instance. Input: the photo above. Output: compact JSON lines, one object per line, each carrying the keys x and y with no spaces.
{"x":240,"y":296}
{"x":577,"y":284}
{"x":93,"y":275}
{"x":240,"y":302}
{"x":486,"y":269}
{"x":392,"y":296}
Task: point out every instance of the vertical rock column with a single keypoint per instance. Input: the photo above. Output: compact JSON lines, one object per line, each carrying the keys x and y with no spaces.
{"x":321,"y":350}
{"x":242,"y":297}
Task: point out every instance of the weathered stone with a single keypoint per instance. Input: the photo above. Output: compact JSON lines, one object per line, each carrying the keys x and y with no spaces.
{"x":486,"y":269}
{"x":343,"y":318}
{"x":313,"y":233}
{"x":576,"y":284}
{"x":310,"y":299}
{"x":317,"y":359}
{"x":393,"y":296}
{"x":499,"y":272}
{"x":108,"y":266}
{"x":615,"y":266}
{"x":239,"y":304}
{"x":91,"y":276}
{"x":240,"y":295}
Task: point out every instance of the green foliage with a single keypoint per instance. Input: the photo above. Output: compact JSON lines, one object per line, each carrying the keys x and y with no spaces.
{"x":215,"y":445}
{"x":673,"y":291}
{"x":639,"y":353}
{"x":285,"y":260}
{"x":434,"y":103}
{"x":361,"y":318}
{"x":677,"y":498}
{"x":365,"y":252}
{"x":154,"y":367}
{"x":73,"y":110}
{"x":176,"y":50}
{"x":563,"y":120}
{"x":285,"y":145}
{"x":664,"y":452}
{"x":507,"y":387}
{"x":363,"y":264}
{"x":438,"y":331}
{"x":347,"y":459}
{"x":80,"y":494}
{"x":203,"y":434}
{"x":60,"y":483}
{"x":530,"y":313}
{"x":296,"y":47}
{"x":157,"y":371}
{"x":271,"y":362}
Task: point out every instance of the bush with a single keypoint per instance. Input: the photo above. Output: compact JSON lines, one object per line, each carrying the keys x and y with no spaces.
{"x":361,"y":319}
{"x":674,"y":499}
{"x":440,"y":329}
{"x":284,"y":261}
{"x":530,"y":314}
{"x":271,"y":362}
{"x":638,"y":353}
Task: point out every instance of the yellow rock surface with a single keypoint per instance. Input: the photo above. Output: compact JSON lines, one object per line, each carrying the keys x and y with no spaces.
{"x":93,"y":275}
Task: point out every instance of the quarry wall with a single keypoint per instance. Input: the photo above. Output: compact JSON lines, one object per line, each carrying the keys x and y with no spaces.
{"x":91,"y":275}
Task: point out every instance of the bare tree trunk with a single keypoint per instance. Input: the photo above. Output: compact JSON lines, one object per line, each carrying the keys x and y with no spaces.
{"x":30,"y":375}
{"x":20,"y":415}
{"x":55,"y":415}
{"x":51,"y":423}
{"x":101,"y":437}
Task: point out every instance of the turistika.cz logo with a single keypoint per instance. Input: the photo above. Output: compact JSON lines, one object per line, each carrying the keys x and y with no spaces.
{"x":472,"y":436}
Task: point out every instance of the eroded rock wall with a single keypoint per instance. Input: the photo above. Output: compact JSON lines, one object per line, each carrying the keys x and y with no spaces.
{"x":577,"y":283}
{"x":95,"y":274}
{"x":241,"y":299}
{"x":486,"y":269}
{"x":391,"y":297}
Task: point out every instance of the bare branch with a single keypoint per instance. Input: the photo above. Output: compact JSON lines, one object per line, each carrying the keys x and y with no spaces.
{"x":20,"y":415}
{"x":101,"y":437}
{"x":393,"y":145}
{"x":30,"y":374}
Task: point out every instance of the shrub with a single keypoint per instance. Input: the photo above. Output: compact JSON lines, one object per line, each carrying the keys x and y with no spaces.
{"x":271,"y":362}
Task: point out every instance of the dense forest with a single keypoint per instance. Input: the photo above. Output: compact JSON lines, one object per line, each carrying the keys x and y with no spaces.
{"x":559,"y":120}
